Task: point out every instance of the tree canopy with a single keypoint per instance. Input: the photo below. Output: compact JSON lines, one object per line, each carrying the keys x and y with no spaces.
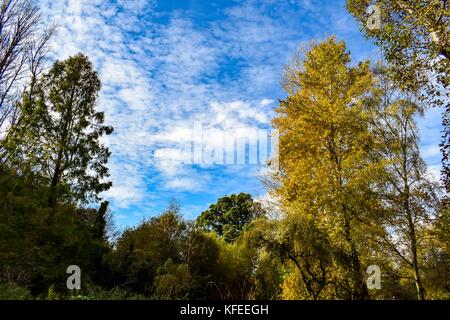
{"x":230,"y":215}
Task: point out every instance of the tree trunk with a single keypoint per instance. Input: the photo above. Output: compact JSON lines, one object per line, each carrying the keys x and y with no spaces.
{"x":55,"y":180}
{"x":65,"y":136}
{"x":360,"y":288}
{"x":413,"y":242}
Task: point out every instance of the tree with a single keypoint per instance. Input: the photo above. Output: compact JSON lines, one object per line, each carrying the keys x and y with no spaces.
{"x":233,"y":275}
{"x":141,"y":252}
{"x":297,"y":240}
{"x":230,"y":215}
{"x":38,"y":243}
{"x":409,"y":197}
{"x":414,"y":39}
{"x":23,"y":45}
{"x":436,"y":252}
{"x":59,"y":135}
{"x":324,"y":165}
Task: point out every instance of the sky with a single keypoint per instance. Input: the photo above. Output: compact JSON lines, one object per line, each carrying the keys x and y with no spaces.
{"x":169,"y":65}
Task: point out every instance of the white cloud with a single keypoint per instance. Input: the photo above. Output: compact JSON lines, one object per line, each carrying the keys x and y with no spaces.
{"x":266,"y":102}
{"x":183,"y":184}
{"x":128,"y":189}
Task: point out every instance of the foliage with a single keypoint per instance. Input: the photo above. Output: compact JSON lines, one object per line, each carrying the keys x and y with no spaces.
{"x":230,"y":215}
{"x":38,"y":243}
{"x":59,"y":135}
{"x":436,"y":250}
{"x":11,"y":291}
{"x":168,"y":258}
{"x":324,"y":166}
{"x":410,"y":198}
{"x":414,"y":39}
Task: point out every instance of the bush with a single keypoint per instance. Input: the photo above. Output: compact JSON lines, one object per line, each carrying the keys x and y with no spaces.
{"x":11,"y":291}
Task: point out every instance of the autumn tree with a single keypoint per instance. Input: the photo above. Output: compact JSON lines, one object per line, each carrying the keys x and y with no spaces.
{"x":324,"y":166}
{"x":61,"y":130}
{"x":437,"y":250}
{"x":414,"y":38}
{"x":306,"y":250}
{"x":409,"y":196}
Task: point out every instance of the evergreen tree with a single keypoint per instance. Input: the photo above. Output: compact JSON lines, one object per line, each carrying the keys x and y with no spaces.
{"x":60,"y":132}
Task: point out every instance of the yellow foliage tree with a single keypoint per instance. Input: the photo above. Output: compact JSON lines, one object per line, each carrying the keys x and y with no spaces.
{"x":325,"y":169}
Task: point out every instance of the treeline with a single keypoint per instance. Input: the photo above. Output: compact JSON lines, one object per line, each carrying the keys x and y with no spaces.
{"x":351,"y":190}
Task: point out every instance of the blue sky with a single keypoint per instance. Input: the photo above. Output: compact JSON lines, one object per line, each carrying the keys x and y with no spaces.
{"x":168,"y":64}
